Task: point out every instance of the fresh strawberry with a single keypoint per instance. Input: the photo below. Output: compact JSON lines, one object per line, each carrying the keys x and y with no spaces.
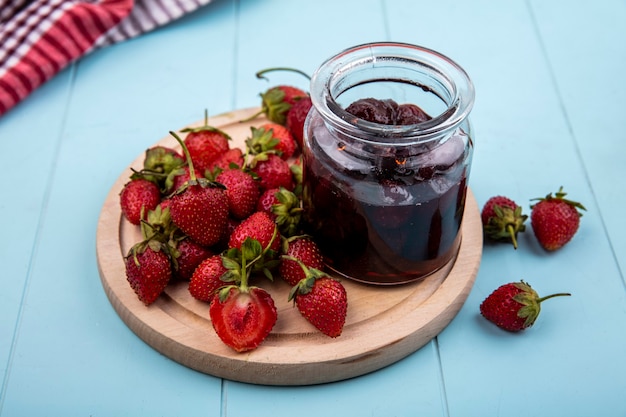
{"x":189,"y":255}
{"x":272,"y":137}
{"x":205,"y":144}
{"x":295,"y":118}
{"x":243,"y":318}
{"x":321,"y":300}
{"x":176,"y":179}
{"x":514,"y":306}
{"x":258,"y":226}
{"x":555,"y":220}
{"x":206,"y":278}
{"x":287,"y":212}
{"x":305,"y":250}
{"x":266,"y":200}
{"x":503,"y":219}
{"x":242,"y":192}
{"x":273,"y":172}
{"x":199,"y":208}
{"x":233,"y":156}
{"x":148,"y":270}
{"x":139,"y":196}
{"x":158,"y":163}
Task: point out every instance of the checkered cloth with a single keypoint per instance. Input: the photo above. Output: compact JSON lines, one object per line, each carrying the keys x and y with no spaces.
{"x":38,"y":38}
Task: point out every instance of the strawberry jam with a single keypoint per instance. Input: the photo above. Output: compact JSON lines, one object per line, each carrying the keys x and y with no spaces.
{"x":384,"y":184}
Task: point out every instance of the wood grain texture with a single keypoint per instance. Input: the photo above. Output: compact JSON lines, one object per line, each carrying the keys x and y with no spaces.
{"x":383,"y":325}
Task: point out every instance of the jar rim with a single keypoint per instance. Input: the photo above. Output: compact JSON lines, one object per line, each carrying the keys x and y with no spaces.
{"x":332,"y":72}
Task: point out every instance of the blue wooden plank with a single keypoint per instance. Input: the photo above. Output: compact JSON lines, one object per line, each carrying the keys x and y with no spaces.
{"x":411,"y":387}
{"x":518,"y":143}
{"x":124,"y":98}
{"x":30,"y":134}
{"x":590,"y":78}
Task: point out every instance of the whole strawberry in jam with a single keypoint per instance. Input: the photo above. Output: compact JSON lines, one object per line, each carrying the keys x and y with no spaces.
{"x":387,"y":112}
{"x":555,"y":220}
{"x":503,"y":219}
{"x":514,"y":306}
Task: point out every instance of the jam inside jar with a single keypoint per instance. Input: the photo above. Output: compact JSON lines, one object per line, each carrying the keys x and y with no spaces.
{"x":385,"y":202}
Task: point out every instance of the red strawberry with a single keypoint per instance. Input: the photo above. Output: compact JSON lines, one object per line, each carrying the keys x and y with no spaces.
{"x":205,"y":144}
{"x":227,"y":159}
{"x":243,"y":318}
{"x":206,"y":278}
{"x":503,"y":219}
{"x":321,"y":300}
{"x":199,"y":208}
{"x":139,"y":195}
{"x":277,"y":101}
{"x":286,"y":144}
{"x":295,"y":118}
{"x":158,"y":163}
{"x":148,"y":270}
{"x":242,"y":192}
{"x":267,"y":200}
{"x":305,"y":250}
{"x":514,"y":306}
{"x":259,"y":226}
{"x":272,"y":171}
{"x":555,"y":220}
{"x":190,"y":255}
{"x":177,"y":179}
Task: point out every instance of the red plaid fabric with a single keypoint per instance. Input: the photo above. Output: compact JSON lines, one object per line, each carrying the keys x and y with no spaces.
{"x":38,"y":38}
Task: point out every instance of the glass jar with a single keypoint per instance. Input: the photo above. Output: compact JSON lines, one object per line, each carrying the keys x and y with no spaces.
{"x":385,"y":202}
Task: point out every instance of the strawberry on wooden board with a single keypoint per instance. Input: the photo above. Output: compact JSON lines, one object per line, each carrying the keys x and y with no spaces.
{"x":242,"y":192}
{"x":189,"y":255}
{"x":205,"y":144}
{"x":503,"y":219}
{"x":514,"y":306}
{"x":273,"y":171}
{"x":303,"y":249}
{"x":148,"y":270}
{"x":243,"y":318}
{"x":137,"y":198}
{"x":266,"y":200}
{"x":233,"y":156}
{"x":321,"y":300}
{"x":555,"y":220}
{"x":242,"y":315}
{"x":271,"y":137}
{"x":206,"y":278}
{"x":258,"y":226}
{"x":295,"y":118}
{"x":200,"y":207}
{"x":158,"y":163}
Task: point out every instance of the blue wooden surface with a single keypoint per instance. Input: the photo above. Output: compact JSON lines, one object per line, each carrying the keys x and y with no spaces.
{"x":550,"y":78}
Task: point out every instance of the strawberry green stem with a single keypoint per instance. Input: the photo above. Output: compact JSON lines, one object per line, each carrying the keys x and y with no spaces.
{"x":561,"y":294}
{"x":192,"y":172}
{"x":261,"y":73}
{"x":511,"y":231}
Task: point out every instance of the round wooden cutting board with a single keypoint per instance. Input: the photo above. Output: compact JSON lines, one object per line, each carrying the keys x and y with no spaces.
{"x":383,"y":325}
